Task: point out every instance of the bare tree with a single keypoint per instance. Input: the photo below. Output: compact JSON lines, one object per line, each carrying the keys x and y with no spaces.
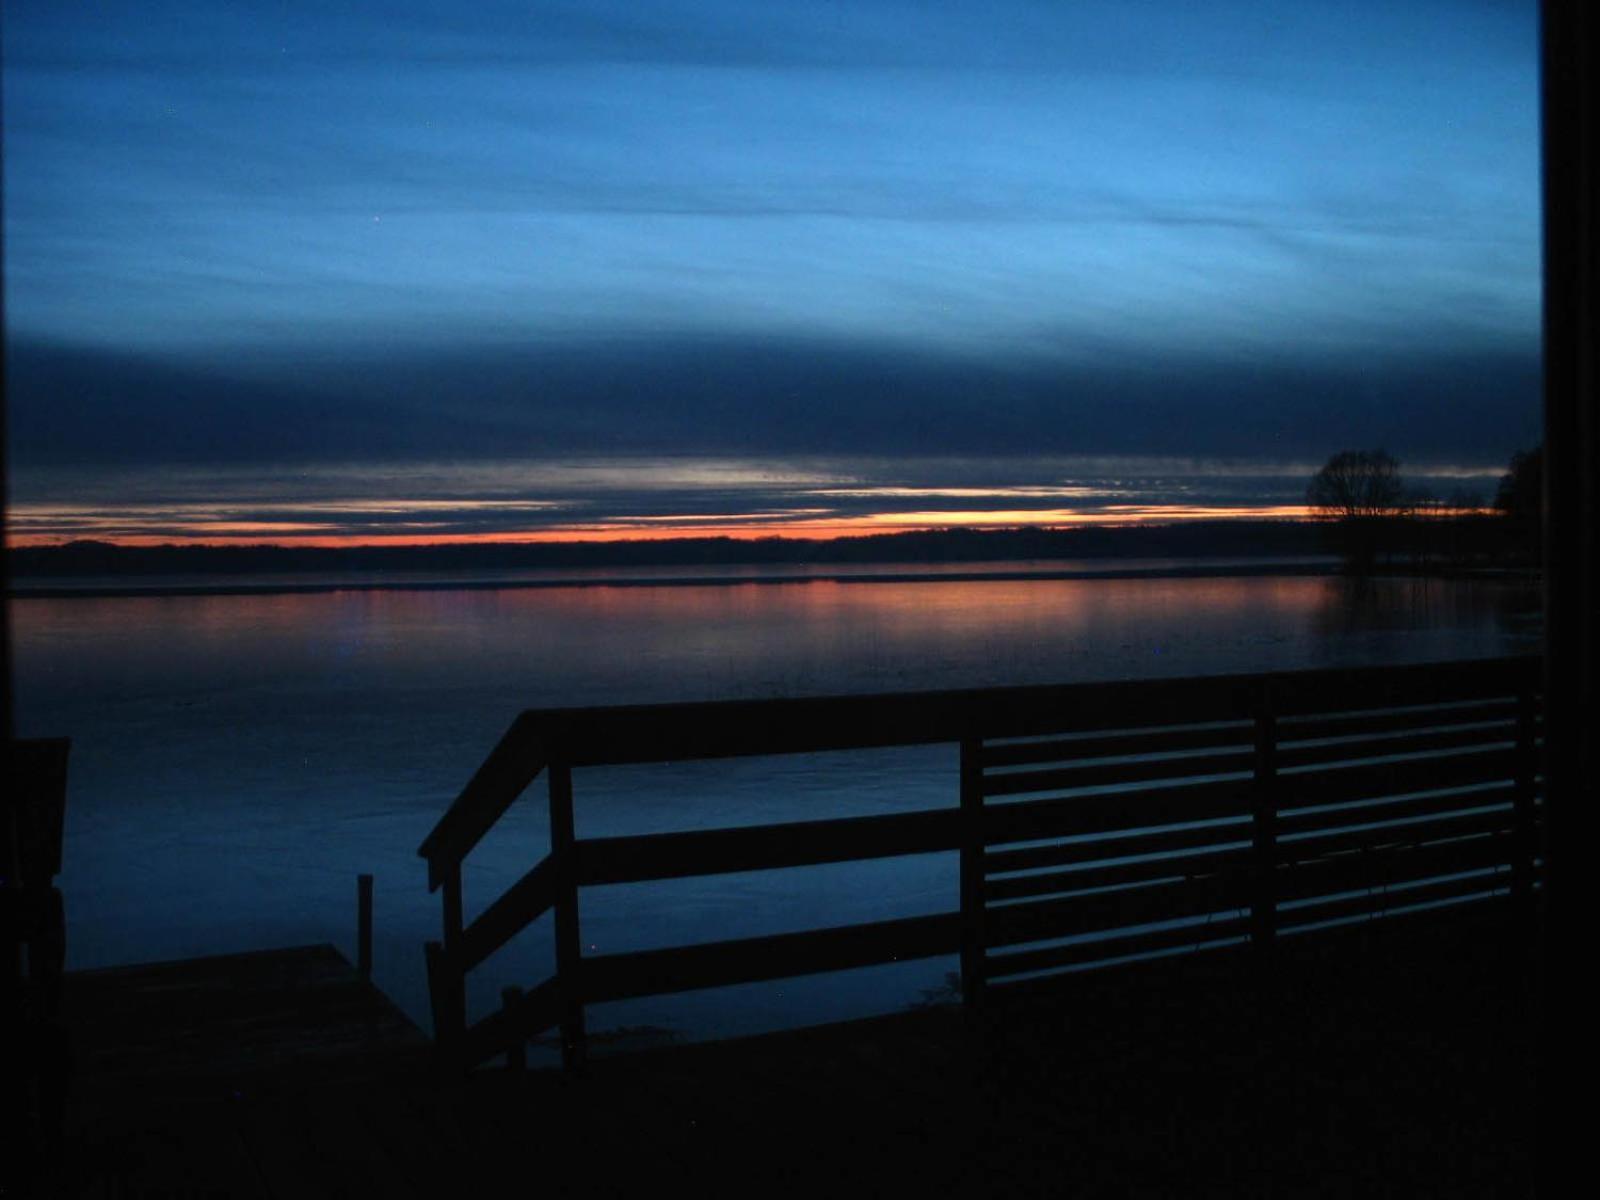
{"x":1361,"y":494}
{"x":1357,"y":485}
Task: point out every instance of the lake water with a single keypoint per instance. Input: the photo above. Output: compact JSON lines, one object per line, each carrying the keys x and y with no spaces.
{"x":238,"y":759}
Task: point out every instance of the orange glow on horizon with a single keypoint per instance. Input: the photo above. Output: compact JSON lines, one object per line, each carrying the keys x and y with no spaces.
{"x":738,"y":527}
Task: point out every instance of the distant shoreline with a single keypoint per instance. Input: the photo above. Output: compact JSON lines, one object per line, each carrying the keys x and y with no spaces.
{"x":55,"y":590}
{"x":1199,"y":539}
{"x":1216,"y":549}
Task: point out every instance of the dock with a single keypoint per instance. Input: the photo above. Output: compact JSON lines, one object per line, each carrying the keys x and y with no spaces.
{"x":1396,"y":1058}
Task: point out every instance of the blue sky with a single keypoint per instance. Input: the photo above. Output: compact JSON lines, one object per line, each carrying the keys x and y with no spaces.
{"x":258,"y":234}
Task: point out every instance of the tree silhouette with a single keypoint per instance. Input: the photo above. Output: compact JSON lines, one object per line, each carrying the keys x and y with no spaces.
{"x":1520,"y":499}
{"x":1357,"y":485}
{"x":1361,"y":494}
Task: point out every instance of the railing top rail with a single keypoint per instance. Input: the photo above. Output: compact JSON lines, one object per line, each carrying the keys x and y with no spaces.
{"x":620,"y":734}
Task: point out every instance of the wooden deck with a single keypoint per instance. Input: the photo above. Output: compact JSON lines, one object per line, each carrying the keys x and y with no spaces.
{"x":1393,"y":1059}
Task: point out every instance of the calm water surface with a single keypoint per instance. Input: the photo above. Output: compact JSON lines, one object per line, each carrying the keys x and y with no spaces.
{"x":237,"y":760}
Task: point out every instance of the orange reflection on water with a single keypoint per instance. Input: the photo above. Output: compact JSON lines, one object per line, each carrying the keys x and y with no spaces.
{"x":511,"y":647}
{"x":872,"y":615}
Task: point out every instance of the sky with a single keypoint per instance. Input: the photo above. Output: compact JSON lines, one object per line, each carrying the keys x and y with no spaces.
{"x":281,"y":271}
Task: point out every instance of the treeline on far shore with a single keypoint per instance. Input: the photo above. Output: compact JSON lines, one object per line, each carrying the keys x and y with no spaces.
{"x":1410,"y":542}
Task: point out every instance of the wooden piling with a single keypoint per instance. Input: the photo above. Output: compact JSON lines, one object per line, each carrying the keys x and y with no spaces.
{"x":517,"y":1053}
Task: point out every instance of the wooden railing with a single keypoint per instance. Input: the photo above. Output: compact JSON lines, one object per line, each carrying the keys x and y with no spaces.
{"x":1094,"y":823}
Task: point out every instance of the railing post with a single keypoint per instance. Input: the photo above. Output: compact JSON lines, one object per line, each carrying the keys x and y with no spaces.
{"x":1525,"y":840}
{"x":517,"y":1053}
{"x":451,"y":894}
{"x":433,"y":956}
{"x":1264,"y":825}
{"x":447,"y":982}
{"x":364,"y":925}
{"x":972,"y":844}
{"x":568,"y":946}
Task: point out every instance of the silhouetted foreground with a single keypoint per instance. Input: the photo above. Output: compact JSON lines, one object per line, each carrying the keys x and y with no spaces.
{"x":1341,"y":867}
{"x":1394,"y":1059}
{"x":1095,"y":822}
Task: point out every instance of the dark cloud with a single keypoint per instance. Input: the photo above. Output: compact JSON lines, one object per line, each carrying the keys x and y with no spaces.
{"x":760,"y":396}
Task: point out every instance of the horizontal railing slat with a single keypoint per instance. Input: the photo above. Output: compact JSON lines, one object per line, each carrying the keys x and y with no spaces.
{"x":1113,"y":774}
{"x":1327,"y":785}
{"x":1108,"y":812}
{"x":1295,"y":820}
{"x":1116,"y":874}
{"x":1095,"y":849}
{"x":764,"y":847}
{"x":749,"y":960}
{"x":522,"y":903}
{"x":1115,"y":745}
{"x":1387,"y":867}
{"x":1000,"y":966}
{"x":1377,"y":901}
{"x":1039,"y":920}
{"x":1301,"y":756}
{"x":1495,"y":819}
{"x":1433,"y":716}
